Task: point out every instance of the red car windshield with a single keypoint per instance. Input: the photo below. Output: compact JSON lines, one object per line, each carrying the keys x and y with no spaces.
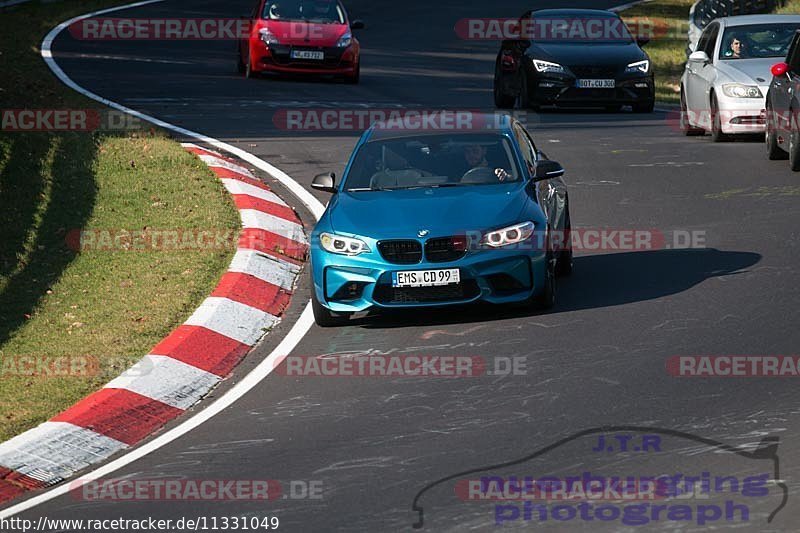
{"x":319,"y":11}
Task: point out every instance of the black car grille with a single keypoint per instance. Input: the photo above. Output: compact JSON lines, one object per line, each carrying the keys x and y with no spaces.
{"x":402,"y":252}
{"x":594,"y":72}
{"x":281,"y":55}
{"x":387,"y":294}
{"x":442,"y":249}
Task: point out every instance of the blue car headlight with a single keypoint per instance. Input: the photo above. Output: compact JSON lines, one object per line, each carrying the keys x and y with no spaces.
{"x":640,"y":67}
{"x":509,"y":235}
{"x":339,"y":244}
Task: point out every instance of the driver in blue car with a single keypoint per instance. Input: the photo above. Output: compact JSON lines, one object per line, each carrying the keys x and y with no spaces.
{"x":475,"y":156}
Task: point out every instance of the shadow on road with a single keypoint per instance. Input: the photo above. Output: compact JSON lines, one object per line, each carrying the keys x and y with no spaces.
{"x":598,"y":281}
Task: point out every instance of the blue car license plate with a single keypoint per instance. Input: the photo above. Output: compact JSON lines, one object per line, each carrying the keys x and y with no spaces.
{"x":426,"y":278}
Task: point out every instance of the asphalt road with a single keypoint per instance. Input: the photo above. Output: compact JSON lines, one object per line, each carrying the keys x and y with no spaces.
{"x":597,"y":359}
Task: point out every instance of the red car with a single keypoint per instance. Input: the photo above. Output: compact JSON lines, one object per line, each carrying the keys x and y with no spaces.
{"x":301,"y":36}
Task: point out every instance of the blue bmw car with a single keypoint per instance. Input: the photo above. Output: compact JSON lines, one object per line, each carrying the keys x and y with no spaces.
{"x":432,"y":218}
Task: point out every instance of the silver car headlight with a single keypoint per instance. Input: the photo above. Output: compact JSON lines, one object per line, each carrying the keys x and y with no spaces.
{"x":740,"y":90}
{"x":642,"y":67}
{"x":547,"y":66}
{"x":339,"y":244}
{"x":509,"y":235}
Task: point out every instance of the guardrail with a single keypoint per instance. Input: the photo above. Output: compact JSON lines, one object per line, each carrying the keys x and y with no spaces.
{"x":704,"y":11}
{"x":707,"y":10}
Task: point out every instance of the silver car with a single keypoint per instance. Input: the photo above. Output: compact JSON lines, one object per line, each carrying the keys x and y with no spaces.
{"x":725,"y":82}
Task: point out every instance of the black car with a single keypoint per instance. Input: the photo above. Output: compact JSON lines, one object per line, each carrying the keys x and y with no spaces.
{"x":783,"y":108}
{"x":574,"y":57}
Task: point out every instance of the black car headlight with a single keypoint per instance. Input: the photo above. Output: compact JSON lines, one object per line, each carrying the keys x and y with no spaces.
{"x":548,"y":67}
{"x":339,"y":244}
{"x":639,"y":67}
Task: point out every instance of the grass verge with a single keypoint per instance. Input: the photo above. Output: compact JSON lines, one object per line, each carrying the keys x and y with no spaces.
{"x":792,"y":7}
{"x":669,"y":53}
{"x":67,"y":308}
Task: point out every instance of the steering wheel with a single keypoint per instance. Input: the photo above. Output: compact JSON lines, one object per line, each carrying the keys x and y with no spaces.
{"x":479,"y":175}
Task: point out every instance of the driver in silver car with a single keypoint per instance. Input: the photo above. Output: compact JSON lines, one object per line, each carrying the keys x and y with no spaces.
{"x":475,"y":156}
{"x":737,"y":48}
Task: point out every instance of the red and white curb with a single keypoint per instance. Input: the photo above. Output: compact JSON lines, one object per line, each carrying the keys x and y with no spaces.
{"x":249,"y":300}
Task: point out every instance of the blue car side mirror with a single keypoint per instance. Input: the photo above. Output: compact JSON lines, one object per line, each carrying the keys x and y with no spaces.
{"x":325,"y":182}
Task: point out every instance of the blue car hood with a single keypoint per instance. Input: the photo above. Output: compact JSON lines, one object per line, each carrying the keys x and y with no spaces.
{"x":441,"y":211}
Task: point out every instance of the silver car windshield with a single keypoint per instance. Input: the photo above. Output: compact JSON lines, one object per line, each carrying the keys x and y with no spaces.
{"x":757,"y":41}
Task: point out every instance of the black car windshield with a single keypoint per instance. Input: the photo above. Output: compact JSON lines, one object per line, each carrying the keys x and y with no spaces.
{"x":321,"y":11}
{"x":757,"y":41}
{"x":433,"y":161}
{"x":577,"y":29}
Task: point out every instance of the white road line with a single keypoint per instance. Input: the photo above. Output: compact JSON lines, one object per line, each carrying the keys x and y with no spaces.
{"x":265,"y":368}
{"x":10,"y":3}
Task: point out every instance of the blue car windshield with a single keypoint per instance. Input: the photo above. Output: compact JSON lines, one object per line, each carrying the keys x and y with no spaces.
{"x":442,"y":160}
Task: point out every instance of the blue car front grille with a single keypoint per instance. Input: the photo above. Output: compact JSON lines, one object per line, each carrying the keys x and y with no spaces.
{"x":401,"y":252}
{"x":442,"y":249}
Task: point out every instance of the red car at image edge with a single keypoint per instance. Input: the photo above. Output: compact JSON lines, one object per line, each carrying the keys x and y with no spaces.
{"x":301,"y":36}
